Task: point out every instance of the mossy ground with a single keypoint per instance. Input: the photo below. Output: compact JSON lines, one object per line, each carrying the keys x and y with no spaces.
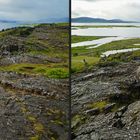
{"x":99,"y":105}
{"x":51,"y":40}
{"x":76,"y":39}
{"x":78,"y":120}
{"x":78,"y":64}
{"x":48,"y":70}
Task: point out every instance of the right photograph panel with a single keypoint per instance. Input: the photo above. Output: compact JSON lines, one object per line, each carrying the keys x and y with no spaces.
{"x":105,"y":68}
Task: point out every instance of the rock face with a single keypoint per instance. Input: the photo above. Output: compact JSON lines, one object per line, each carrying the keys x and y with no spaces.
{"x":138,"y":74}
{"x":114,"y":92}
{"x":32,"y":106}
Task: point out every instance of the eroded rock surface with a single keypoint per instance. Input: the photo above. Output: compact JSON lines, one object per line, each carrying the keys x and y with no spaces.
{"x":33,"y":106}
{"x":106,"y":103}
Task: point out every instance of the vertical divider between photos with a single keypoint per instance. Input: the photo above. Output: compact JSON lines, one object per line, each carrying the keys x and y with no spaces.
{"x":69,"y":70}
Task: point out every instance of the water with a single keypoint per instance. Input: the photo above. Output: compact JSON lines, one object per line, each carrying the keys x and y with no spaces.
{"x":107,"y":53}
{"x":97,"y":42}
{"x":136,"y":44}
{"x":114,"y":33}
{"x":7,"y":25}
{"x":102,"y":24}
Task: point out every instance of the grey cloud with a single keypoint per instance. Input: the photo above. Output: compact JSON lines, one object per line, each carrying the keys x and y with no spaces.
{"x":34,"y":9}
{"x":122,"y":9}
{"x":93,"y":0}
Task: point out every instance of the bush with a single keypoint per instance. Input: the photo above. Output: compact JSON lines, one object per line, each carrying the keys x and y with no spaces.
{"x":58,"y":73}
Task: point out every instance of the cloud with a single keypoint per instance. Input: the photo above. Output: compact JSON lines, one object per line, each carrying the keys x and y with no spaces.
{"x":110,"y":9}
{"x":33,"y":9}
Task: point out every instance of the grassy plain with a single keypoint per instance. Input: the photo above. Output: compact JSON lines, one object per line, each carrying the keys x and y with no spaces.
{"x":76,"y":39}
{"x":93,"y":56}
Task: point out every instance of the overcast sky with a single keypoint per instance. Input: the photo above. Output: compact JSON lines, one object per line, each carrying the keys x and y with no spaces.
{"x":29,"y":10}
{"x":118,"y":9}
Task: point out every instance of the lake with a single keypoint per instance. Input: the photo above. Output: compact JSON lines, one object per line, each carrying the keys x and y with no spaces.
{"x":97,"y":42}
{"x":114,"y":31}
{"x":112,"y":34}
{"x":107,"y":53}
{"x":7,"y":25}
{"x":102,"y":24}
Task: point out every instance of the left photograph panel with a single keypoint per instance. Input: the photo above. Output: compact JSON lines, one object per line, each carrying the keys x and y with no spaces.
{"x":34,"y":69}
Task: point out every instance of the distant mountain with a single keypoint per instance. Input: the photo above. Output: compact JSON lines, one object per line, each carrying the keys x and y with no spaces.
{"x":49,"y":20}
{"x":98,"y":20}
{"x":53,"y":20}
{"x":8,"y":21}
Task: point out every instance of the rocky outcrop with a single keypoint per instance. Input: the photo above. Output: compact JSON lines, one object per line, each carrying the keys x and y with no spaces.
{"x":32,"y":106}
{"x":108,"y":99}
{"x":138,"y":74}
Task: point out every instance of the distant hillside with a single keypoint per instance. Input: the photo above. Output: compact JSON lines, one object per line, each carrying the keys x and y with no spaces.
{"x":98,"y":20}
{"x":52,"y":20}
{"x":47,"y":20}
{"x":8,"y":21}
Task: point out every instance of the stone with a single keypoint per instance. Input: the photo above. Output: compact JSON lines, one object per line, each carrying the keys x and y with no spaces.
{"x":108,"y":107}
{"x":94,"y":111}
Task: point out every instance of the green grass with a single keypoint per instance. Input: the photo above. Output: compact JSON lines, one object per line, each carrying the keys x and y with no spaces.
{"x":52,"y":42}
{"x":100,"y":105}
{"x":48,"y":70}
{"x":35,"y":137}
{"x":17,"y":31}
{"x":62,"y":24}
{"x":124,"y":57}
{"x":76,"y":39}
{"x":78,"y":120}
{"x":78,"y":64}
{"x":58,"y":73}
{"x":115,"y":45}
{"x":92,"y":56}
{"x":81,"y":50}
{"x":39,"y":127}
{"x":63,"y":55}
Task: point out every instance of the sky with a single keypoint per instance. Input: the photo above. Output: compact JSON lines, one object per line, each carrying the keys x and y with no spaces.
{"x":109,"y":9}
{"x":32,"y":10}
